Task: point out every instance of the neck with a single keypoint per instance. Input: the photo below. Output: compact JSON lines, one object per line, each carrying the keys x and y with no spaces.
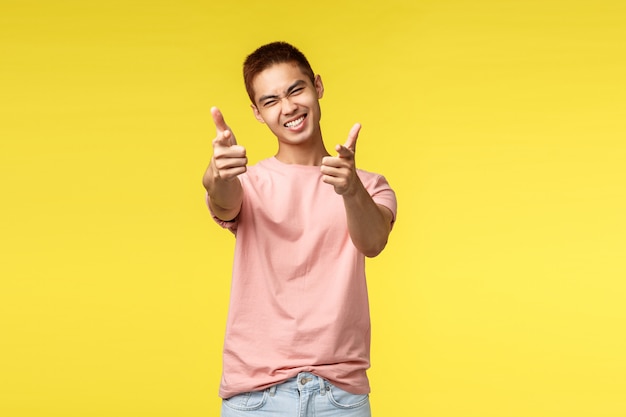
{"x":310,"y":153}
{"x":298,"y":156}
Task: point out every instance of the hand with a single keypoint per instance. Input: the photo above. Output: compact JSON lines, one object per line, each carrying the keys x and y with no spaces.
{"x":340,"y":171}
{"x":229,"y":159}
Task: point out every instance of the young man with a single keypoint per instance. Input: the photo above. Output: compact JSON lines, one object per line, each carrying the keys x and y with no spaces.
{"x":298,"y":331}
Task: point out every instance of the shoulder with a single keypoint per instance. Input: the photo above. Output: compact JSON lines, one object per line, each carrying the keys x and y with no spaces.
{"x":372,"y":179}
{"x":378,"y":187}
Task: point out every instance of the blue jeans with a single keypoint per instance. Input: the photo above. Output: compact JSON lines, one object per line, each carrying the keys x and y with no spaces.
{"x":302,"y":396}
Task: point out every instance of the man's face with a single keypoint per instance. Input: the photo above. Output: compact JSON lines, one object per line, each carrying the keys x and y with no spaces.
{"x":287,"y":101}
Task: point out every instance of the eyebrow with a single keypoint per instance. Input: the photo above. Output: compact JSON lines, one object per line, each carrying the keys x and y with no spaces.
{"x":292,"y":87}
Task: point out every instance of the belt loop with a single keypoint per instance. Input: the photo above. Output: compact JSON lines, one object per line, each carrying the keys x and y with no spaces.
{"x":322,"y":385}
{"x":273,"y":390}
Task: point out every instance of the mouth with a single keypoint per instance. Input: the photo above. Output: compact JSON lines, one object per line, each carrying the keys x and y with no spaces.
{"x":296,"y":122}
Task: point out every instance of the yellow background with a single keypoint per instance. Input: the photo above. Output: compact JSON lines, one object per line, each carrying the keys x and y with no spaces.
{"x":501,"y":125}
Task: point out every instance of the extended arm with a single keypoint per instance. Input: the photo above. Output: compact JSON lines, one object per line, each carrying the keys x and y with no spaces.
{"x":220,"y":179}
{"x":369,"y":224}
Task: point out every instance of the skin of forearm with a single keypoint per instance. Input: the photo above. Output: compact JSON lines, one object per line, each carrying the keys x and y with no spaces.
{"x":369,"y":224}
{"x":225,"y":195}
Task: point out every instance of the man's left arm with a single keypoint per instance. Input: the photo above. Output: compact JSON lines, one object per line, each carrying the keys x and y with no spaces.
{"x":369,"y":224}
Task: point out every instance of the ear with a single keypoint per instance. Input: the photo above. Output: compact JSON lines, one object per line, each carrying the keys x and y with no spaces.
{"x":257,"y":114}
{"x":319,"y":86}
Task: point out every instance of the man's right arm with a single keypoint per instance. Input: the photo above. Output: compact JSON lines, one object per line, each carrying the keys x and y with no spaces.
{"x":220,"y":179}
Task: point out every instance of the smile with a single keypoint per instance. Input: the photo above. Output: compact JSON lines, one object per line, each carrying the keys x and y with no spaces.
{"x":297,"y":122}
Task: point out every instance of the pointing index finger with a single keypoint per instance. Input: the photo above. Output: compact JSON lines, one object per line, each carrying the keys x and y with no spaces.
{"x":352,"y":137}
{"x":224,"y":133}
{"x":348,"y":149}
{"x":218,"y":119}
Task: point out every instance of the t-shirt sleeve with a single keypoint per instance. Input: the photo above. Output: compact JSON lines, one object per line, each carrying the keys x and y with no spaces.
{"x":383,"y":194}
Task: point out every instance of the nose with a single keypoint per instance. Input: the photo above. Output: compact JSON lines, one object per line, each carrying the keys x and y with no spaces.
{"x":288,"y":106}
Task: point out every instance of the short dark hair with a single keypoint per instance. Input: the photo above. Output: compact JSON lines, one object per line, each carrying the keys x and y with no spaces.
{"x":271,"y":54}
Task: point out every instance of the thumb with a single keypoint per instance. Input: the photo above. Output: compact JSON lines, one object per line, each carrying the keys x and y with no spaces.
{"x":224,"y":139}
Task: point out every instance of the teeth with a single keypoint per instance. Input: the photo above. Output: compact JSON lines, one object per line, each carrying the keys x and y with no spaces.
{"x":295,"y":122}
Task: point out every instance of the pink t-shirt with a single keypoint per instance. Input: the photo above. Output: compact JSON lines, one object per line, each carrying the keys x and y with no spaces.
{"x":298,"y":295}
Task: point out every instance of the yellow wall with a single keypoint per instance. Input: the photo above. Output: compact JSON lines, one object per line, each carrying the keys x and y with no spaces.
{"x":500,"y":124}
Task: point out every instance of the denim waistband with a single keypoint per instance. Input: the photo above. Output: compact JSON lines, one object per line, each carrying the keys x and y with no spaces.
{"x":303,"y":382}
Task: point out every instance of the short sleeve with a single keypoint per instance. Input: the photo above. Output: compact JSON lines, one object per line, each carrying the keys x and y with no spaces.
{"x":382,"y":193}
